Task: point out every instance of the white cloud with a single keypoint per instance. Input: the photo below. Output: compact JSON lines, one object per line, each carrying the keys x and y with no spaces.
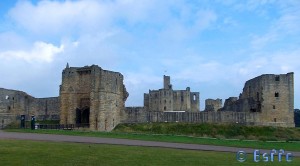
{"x":40,"y":52}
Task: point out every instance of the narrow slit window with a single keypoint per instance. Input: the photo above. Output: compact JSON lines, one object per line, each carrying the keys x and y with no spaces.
{"x":276,"y":94}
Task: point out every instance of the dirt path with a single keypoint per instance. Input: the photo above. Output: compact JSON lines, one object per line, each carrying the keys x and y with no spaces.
{"x":115,"y":141}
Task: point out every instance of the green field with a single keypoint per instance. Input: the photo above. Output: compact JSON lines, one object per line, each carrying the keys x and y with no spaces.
{"x":19,"y":152}
{"x":292,"y":146}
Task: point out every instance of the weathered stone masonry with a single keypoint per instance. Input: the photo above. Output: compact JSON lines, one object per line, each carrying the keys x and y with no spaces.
{"x":167,"y":99}
{"x":271,"y":96}
{"x":92,"y":96}
{"x":14,"y":103}
{"x":266,"y":100}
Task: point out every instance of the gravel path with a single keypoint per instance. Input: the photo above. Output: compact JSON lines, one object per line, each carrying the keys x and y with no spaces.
{"x":115,"y":141}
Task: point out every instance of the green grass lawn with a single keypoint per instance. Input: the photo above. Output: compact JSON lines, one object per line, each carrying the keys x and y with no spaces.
{"x":20,"y":152}
{"x":291,"y":146}
{"x":236,"y":131}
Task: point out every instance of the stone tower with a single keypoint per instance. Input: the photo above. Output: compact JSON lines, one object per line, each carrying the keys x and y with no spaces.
{"x":92,"y":97}
{"x":270,"y":96}
{"x":167,"y":82}
{"x":273,"y":97}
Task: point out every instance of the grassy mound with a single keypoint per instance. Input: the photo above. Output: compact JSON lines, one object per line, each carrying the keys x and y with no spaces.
{"x":229,"y":131}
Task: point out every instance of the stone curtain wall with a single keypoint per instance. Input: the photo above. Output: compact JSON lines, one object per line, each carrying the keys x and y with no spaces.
{"x":134,"y":115}
{"x":14,"y":103}
{"x":138,"y":115}
{"x":45,"y":108}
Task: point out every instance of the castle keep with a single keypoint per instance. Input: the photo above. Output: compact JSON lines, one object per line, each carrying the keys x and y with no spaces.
{"x":167,"y":99}
{"x":95,"y":98}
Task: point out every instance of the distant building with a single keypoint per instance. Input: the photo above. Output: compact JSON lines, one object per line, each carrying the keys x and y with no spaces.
{"x":168,"y":100}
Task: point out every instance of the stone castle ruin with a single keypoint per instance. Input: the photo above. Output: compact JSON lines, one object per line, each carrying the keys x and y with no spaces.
{"x":266,"y":100}
{"x":213,"y":105}
{"x":167,"y":99}
{"x":14,"y":103}
{"x":269,"y":95}
{"x":92,"y":97}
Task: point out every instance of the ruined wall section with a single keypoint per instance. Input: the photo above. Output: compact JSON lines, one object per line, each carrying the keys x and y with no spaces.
{"x":154,"y":100}
{"x":276,"y":95}
{"x":159,"y":100}
{"x":195,"y":101}
{"x":45,"y":108}
{"x":240,"y":105}
{"x":213,"y":104}
{"x":139,"y":115}
{"x":112,"y":99}
{"x":182,"y":100}
{"x":167,"y":99}
{"x":271,"y":96}
{"x":146,"y":101}
{"x":15,"y":103}
{"x":135,"y":115}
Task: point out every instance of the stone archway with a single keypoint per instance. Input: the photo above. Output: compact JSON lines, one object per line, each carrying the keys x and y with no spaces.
{"x":83,"y":117}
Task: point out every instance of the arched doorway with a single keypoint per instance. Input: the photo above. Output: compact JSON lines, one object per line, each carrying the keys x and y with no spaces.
{"x":83,"y":117}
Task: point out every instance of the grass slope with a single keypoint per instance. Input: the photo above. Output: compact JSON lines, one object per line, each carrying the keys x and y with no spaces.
{"x":17,"y":152}
{"x":214,"y":130}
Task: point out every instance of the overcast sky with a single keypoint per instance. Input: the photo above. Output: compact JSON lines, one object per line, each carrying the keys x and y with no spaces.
{"x":211,"y":46}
